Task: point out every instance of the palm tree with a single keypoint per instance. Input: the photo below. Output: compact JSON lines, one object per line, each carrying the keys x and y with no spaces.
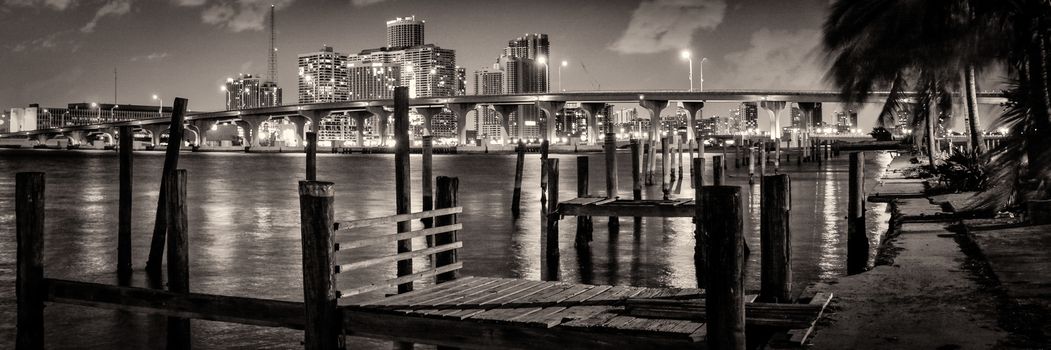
{"x":876,"y":44}
{"x":935,"y":47}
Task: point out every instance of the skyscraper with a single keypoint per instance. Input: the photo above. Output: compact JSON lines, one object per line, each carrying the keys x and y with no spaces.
{"x":404,"y":32}
{"x":323,"y":76}
{"x":750,"y":113}
{"x":488,"y":81}
{"x":373,"y":80}
{"x":247,"y":91}
{"x":461,"y":81}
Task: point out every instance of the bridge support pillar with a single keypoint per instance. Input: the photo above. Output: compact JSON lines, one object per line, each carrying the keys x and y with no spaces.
{"x":551,"y":108}
{"x":655,"y":107}
{"x":155,"y":132}
{"x":382,"y":118}
{"x":460,"y":110}
{"x":774,"y":108}
{"x":202,"y":127}
{"x":505,"y":120}
{"x":359,"y":124}
{"x":254,"y":125}
{"x":428,"y":114}
{"x":808,"y":109}
{"x":41,"y":139}
{"x":693,"y":112}
{"x":593,"y":110}
{"x":300,"y":121}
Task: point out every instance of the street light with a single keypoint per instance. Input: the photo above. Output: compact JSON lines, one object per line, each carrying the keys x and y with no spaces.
{"x":702,"y":72}
{"x":160,"y":106}
{"x":227,"y":91}
{"x":564,"y":63}
{"x":686,"y":56}
{"x":543,"y":60}
{"x":111,"y":117}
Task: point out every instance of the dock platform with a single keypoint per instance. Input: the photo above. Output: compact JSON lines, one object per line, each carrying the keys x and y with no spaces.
{"x":601,"y":206}
{"x":483,"y":312}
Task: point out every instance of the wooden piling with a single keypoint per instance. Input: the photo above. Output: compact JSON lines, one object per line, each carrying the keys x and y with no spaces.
{"x":402,"y":179}
{"x":665,"y":164}
{"x":311,"y":156}
{"x":427,"y":186}
{"x":737,"y":152}
{"x":543,"y":176}
{"x":636,"y":179}
{"x":857,"y":237}
{"x":718,"y":170}
{"x":610,"y":143}
{"x":648,"y":179}
{"x":751,"y":166}
{"x":448,"y":190}
{"x":693,"y":172}
{"x":762,"y":160}
{"x":178,"y":254}
{"x":551,"y":252}
{"x":171,"y":162}
{"x":678,"y":162}
{"x":29,"y":280}
{"x":323,"y":322}
{"x":516,"y":197}
{"x":127,"y":139}
{"x":700,"y":245}
{"x":584,"y":224}
{"x":775,"y":240}
{"x":722,"y":222}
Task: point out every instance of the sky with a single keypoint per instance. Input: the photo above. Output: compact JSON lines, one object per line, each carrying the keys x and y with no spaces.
{"x":55,"y":52}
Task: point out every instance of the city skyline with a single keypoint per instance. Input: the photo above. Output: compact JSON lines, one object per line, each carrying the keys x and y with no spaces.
{"x":189,"y":48}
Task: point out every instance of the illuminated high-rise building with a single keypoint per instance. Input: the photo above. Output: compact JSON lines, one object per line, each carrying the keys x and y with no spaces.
{"x":247,"y":91}
{"x":404,"y":32}
{"x":323,"y":76}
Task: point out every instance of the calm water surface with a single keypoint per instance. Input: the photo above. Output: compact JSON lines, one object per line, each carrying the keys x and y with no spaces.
{"x":244,"y":231}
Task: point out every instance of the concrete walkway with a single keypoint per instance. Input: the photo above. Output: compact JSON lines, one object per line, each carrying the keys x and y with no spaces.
{"x":925,"y":300}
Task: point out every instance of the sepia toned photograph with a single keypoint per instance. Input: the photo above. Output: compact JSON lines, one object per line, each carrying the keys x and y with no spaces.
{"x":525,"y":174}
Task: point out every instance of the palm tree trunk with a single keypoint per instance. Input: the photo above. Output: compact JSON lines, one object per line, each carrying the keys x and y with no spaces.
{"x":929,"y":125}
{"x":972,"y":110}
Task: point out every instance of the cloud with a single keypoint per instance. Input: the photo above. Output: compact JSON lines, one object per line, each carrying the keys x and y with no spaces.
{"x":59,"y":5}
{"x":151,"y":57}
{"x":49,"y":41}
{"x":777,"y":59}
{"x":114,"y":8}
{"x":190,"y":3}
{"x":660,"y":25}
{"x":238,"y":15}
{"x":363,"y":3}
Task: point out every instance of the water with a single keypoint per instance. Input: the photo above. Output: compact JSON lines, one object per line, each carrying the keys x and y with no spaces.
{"x":244,"y":231}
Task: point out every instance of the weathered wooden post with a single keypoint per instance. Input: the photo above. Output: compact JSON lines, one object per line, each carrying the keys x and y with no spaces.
{"x":723,"y":163}
{"x":751,"y":166}
{"x":665,"y":164}
{"x":551,"y":252}
{"x":428,"y":182}
{"x":718,"y":170}
{"x":171,"y":162}
{"x":584,"y":224}
{"x":402,"y":179}
{"x":700,"y":245}
{"x":762,"y":160}
{"x":678,"y":147}
{"x":721,"y":220}
{"x":648,"y":179}
{"x":127,"y":139}
{"x":636,"y":180}
{"x":448,"y":189}
{"x":737,"y":152}
{"x":29,"y":282}
{"x":516,"y":197}
{"x":693,"y":172}
{"x":311,"y":156}
{"x":610,"y":143}
{"x":775,"y":239}
{"x":178,"y":254}
{"x":543,"y":175}
{"x":323,"y":324}
{"x":857,"y":237}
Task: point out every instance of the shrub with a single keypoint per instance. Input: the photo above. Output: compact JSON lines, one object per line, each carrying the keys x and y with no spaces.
{"x":964,"y":171}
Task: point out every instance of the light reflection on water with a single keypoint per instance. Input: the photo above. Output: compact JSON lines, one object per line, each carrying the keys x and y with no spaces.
{"x":245,"y":239}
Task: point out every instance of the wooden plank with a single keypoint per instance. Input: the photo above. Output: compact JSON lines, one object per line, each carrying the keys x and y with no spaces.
{"x":399,"y":257}
{"x":444,"y":287}
{"x":453,"y":299}
{"x":250,"y":311}
{"x":348,"y":225}
{"x":392,"y":237}
{"x":546,"y":317}
{"x":502,"y":301}
{"x":799,"y":336}
{"x":403,"y":279}
{"x":476,"y":299}
{"x":492,"y":335}
{"x":526,"y":304}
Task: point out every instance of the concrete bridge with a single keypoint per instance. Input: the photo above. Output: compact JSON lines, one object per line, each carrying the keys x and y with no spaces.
{"x":591,"y":102}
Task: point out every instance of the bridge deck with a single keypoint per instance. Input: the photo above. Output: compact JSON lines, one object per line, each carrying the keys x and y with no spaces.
{"x":601,"y":206}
